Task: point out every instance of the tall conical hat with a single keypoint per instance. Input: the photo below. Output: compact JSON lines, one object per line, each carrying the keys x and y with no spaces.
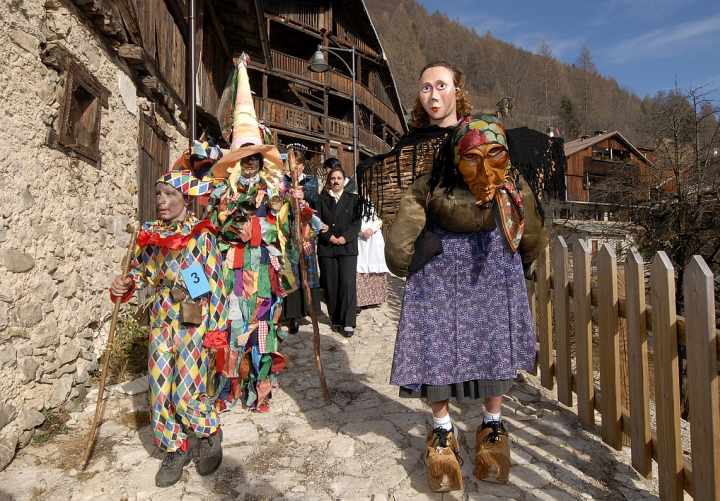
{"x":246,"y":128}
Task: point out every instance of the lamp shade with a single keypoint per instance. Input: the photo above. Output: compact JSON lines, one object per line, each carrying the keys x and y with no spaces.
{"x":318,"y":63}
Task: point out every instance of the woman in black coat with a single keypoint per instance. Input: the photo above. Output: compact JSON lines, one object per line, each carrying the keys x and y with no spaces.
{"x":338,"y":248}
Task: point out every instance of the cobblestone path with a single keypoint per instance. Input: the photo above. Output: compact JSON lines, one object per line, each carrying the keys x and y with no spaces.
{"x":367,"y":444}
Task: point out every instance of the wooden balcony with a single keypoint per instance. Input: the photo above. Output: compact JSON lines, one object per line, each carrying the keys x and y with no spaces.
{"x":343,"y":84}
{"x":372,"y":142}
{"x":313,"y":17}
{"x":279,"y":114}
{"x":343,"y":33}
{"x":339,"y":129}
{"x":296,"y":67}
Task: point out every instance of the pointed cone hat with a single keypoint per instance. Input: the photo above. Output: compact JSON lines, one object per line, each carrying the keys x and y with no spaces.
{"x":246,"y":128}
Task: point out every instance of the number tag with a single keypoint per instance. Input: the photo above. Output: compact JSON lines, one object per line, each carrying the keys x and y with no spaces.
{"x":195,"y":280}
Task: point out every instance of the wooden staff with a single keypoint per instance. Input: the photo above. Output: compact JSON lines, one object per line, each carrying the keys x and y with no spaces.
{"x":297,"y":230}
{"x":100,"y":403}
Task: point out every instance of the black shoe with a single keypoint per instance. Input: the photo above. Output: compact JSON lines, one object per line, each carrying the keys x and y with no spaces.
{"x":293,"y":326}
{"x":497,"y":430}
{"x":336,"y":328}
{"x":208,"y":455}
{"x":348,"y":331}
{"x":171,"y":468}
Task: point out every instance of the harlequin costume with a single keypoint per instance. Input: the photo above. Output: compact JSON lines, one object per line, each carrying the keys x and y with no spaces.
{"x":465,"y":327}
{"x":181,"y":410}
{"x":257,"y":275}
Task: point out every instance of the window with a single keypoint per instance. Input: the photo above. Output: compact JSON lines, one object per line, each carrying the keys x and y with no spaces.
{"x":78,"y":126}
{"x":80,"y":116}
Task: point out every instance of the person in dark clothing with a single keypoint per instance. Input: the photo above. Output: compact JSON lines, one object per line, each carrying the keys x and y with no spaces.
{"x":338,"y":248}
{"x":296,"y":306}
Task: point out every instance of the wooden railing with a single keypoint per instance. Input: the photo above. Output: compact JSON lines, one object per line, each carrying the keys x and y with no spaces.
{"x":314,"y":17}
{"x":555,"y":297}
{"x":372,"y":142}
{"x":339,"y":129}
{"x":279,"y":114}
{"x":295,"y":66}
{"x":341,"y":83}
{"x":350,"y":38}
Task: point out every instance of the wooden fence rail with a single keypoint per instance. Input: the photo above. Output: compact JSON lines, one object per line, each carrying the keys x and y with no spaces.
{"x":556,"y":299}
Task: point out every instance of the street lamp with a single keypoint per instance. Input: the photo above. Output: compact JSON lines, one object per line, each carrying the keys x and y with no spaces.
{"x":318,"y":64}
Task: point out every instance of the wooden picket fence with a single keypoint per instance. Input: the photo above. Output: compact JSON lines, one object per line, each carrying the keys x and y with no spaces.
{"x":559,"y":300}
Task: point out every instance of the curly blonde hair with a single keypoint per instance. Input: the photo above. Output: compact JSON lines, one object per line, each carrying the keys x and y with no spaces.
{"x":463,"y":107}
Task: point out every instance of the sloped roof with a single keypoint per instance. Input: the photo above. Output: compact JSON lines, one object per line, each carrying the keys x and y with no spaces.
{"x":403,"y":120}
{"x":572,"y":147}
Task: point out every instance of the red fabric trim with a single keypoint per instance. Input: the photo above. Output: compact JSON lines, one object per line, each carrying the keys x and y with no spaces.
{"x":256,"y":238}
{"x":239,"y":258}
{"x":124,"y":298}
{"x":184,"y":445}
{"x":174,"y":242}
{"x":215,"y":339}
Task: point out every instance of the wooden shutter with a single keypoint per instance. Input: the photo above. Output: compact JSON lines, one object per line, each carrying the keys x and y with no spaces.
{"x":153,"y":161}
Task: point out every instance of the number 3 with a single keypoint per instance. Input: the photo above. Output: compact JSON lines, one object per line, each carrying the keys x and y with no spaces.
{"x":195,"y":278}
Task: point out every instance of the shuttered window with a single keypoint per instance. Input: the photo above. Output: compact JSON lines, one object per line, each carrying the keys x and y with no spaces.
{"x":153,"y":161}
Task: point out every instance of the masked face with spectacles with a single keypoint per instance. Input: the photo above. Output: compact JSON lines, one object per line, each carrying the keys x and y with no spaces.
{"x":482,"y":157}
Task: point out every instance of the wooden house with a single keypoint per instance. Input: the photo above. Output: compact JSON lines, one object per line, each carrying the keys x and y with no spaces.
{"x":597,"y":165}
{"x":280,"y":36}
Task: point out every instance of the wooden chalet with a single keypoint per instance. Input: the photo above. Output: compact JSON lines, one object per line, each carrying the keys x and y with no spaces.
{"x":280,"y":36}
{"x":604,"y":165}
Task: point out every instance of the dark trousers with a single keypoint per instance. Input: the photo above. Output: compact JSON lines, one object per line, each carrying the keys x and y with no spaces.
{"x":296,"y":307}
{"x":337,"y":275}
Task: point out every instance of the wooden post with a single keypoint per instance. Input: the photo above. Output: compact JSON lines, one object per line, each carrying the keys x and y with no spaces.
{"x":667,"y":387}
{"x":609,"y":348}
{"x":561,"y":312}
{"x":533,"y":311}
{"x":544,"y":318}
{"x":703,"y":381}
{"x":636,"y":311}
{"x":583,"y":334}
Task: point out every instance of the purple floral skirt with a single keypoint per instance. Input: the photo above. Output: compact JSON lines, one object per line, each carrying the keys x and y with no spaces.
{"x":465,"y":315}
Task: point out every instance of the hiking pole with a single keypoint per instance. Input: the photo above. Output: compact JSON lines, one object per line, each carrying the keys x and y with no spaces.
{"x":100,"y":403}
{"x":297,"y":230}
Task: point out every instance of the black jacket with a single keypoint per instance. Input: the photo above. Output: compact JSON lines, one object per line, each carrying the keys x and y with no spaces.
{"x":343,"y":219}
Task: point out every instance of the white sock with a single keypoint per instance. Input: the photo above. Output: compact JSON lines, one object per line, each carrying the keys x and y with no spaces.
{"x":489,"y":416}
{"x":443,"y":422}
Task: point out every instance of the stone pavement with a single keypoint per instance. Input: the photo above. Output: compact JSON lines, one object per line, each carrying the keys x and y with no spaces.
{"x":367,"y":444}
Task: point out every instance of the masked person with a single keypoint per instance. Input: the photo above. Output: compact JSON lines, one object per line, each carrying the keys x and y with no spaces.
{"x":251,"y":211}
{"x":178,"y":259}
{"x":465,"y":327}
{"x":296,"y":307}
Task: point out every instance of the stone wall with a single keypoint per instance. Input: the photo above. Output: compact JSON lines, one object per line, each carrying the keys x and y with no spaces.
{"x":62,"y":220}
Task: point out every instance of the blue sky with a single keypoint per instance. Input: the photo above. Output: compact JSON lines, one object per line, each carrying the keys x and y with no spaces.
{"x":644,"y":44}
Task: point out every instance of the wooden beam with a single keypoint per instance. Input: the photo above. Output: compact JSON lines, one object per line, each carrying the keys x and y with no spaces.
{"x":132,"y":54}
{"x":262,"y":26}
{"x":219,"y":31}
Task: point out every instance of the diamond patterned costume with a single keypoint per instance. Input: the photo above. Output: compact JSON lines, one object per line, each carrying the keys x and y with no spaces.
{"x":177,"y":359}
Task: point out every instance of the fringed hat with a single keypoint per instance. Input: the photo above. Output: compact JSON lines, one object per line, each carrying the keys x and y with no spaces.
{"x":185,"y":182}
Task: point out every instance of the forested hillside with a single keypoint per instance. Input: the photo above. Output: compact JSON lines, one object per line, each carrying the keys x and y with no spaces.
{"x":544,"y":91}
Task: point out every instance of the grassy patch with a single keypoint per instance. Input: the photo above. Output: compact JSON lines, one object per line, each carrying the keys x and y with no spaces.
{"x":54,"y":424}
{"x":128,"y":357}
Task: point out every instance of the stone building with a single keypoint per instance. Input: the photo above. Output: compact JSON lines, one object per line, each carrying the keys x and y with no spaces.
{"x":66,"y":202}
{"x":93,"y":105}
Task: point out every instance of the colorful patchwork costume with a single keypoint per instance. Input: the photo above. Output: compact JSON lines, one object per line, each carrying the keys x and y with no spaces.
{"x":256,"y":274}
{"x":177,"y":359}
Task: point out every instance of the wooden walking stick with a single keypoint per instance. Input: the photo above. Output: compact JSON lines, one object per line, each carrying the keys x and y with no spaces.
{"x":100,"y":403}
{"x":297,"y":230}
